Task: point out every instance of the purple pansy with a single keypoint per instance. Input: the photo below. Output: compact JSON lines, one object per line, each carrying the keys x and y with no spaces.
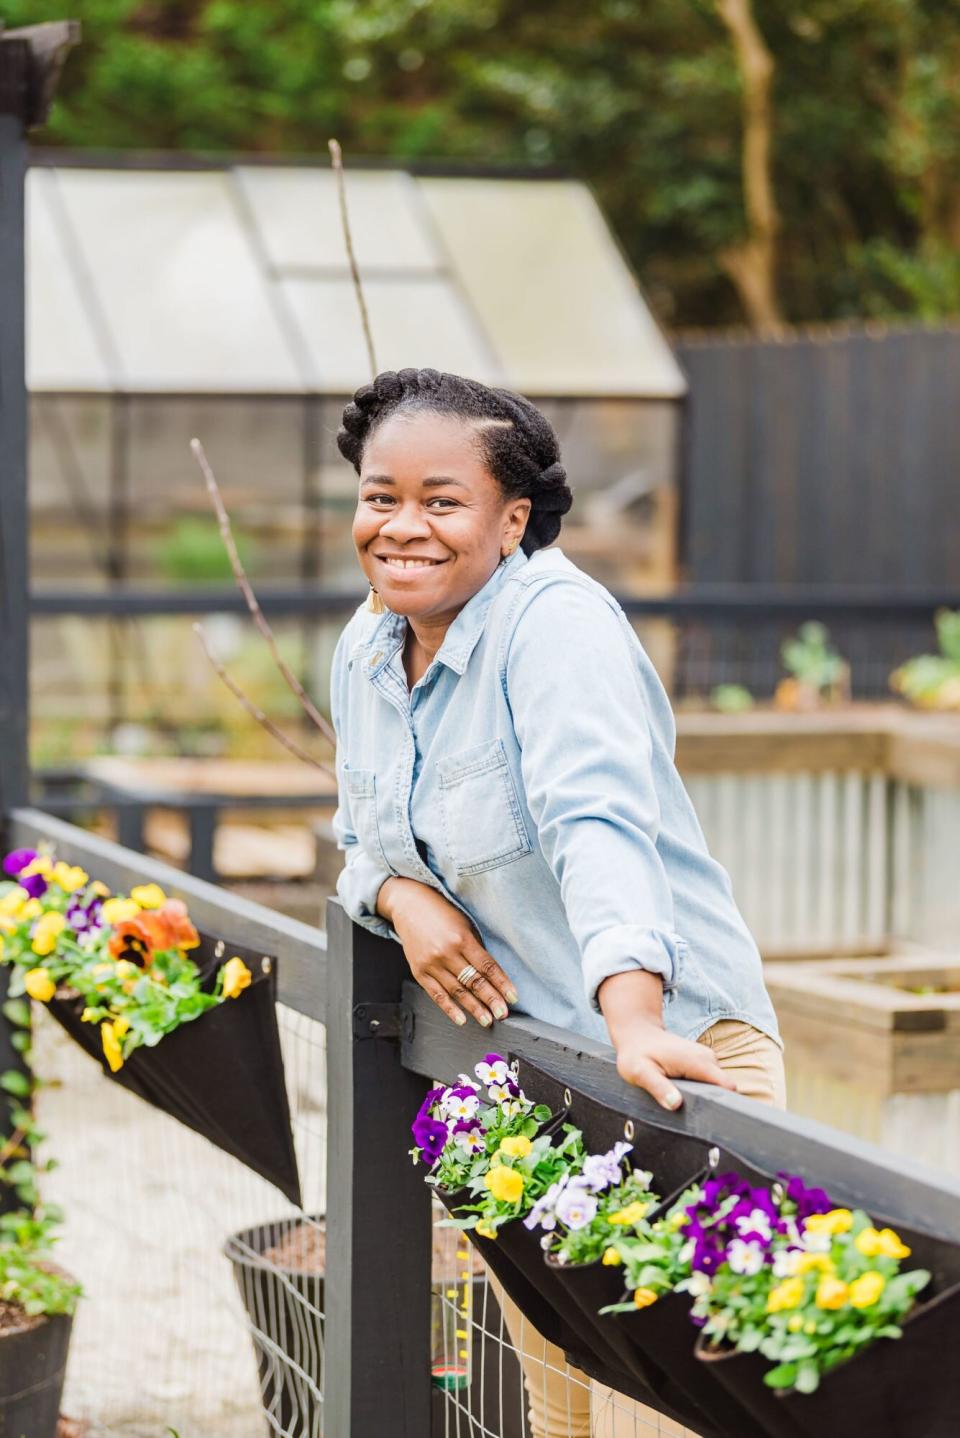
{"x":576,"y":1206}
{"x":18,"y":859}
{"x":35,"y":885}
{"x":430,"y":1136}
{"x":600,"y":1170}
{"x":83,"y":918}
{"x":807,"y":1200}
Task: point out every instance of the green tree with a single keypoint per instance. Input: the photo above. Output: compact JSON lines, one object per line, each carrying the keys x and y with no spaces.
{"x":648,"y":100}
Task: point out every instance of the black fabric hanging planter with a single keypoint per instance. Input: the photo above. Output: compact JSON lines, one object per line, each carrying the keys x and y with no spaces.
{"x":220,"y":1074}
{"x":895,"y":1388}
{"x":907,"y":1387}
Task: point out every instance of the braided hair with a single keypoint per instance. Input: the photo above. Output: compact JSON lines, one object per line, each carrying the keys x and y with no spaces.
{"x":517,"y":442}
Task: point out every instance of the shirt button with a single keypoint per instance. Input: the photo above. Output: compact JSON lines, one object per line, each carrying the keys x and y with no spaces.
{"x":375,"y":657}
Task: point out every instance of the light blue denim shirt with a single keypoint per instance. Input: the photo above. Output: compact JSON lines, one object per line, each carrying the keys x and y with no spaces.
{"x":533,"y":762}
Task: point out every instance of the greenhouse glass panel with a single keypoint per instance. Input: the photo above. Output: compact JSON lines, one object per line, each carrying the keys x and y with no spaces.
{"x":177,"y":281}
{"x":557,"y":300}
{"x":415,"y":323}
{"x":62,"y":348}
{"x":297,"y":215}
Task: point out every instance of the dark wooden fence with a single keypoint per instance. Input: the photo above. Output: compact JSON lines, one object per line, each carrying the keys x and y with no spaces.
{"x":824,"y":458}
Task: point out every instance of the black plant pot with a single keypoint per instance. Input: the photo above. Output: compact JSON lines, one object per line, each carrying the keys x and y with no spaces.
{"x":285,"y":1309}
{"x":33,"y":1363}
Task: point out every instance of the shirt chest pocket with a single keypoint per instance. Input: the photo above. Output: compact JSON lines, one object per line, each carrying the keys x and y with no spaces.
{"x":482,"y":820}
{"x":362,"y":789}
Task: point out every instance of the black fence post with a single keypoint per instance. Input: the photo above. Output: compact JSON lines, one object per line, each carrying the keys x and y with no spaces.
{"x":30,"y":61}
{"x":377,"y":1300}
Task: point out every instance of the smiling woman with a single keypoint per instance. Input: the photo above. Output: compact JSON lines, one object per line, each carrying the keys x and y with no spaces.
{"x":509,"y":808}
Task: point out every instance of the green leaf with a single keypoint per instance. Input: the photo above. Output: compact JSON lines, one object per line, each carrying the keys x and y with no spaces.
{"x":17,"y":1012}
{"x":783,"y":1376}
{"x":20,"y":1041}
{"x":15,"y":1082}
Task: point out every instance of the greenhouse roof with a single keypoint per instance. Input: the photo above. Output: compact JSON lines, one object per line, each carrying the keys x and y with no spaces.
{"x":235,"y":280}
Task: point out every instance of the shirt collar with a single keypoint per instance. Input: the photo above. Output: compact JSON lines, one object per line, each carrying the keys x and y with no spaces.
{"x":460,"y":639}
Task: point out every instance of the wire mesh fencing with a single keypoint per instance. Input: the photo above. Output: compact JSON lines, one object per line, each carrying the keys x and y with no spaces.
{"x":162,"y":1337}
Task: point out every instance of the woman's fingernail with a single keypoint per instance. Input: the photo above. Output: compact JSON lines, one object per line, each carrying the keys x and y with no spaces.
{"x":512,"y":996}
{"x":485,"y":1019}
{"x":499,"y":1011}
{"x":459,"y":1019}
{"x":673,"y":1098}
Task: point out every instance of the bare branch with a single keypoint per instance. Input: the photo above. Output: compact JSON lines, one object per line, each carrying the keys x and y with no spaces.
{"x":255,"y":712}
{"x":246,"y":589}
{"x":336,"y":156}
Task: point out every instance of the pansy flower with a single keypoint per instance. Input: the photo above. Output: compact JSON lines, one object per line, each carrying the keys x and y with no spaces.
{"x":18,"y":860}
{"x":492,"y":1069}
{"x":576,"y":1206}
{"x":460,"y":1103}
{"x":469,"y":1137}
{"x":601,"y":1170}
{"x":84,"y":916}
{"x":430,"y":1137}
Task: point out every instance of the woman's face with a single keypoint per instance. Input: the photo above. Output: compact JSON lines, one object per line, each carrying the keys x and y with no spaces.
{"x":426,"y":495}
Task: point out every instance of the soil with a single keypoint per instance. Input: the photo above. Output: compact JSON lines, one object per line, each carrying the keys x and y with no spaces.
{"x":14,"y":1320}
{"x":302,"y":1249}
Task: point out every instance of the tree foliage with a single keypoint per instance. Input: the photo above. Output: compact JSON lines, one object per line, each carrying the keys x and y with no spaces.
{"x":642,"y":98}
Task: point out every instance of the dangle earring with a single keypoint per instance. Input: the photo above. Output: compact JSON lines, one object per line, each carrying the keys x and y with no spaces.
{"x":374,"y":603}
{"x":508,"y":551}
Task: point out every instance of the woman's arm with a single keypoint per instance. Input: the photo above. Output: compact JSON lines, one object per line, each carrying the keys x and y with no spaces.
{"x":586,"y":758}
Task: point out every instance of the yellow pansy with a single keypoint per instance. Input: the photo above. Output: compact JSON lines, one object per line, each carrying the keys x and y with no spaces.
{"x":838,"y":1220}
{"x":7,"y":924}
{"x":42,"y":865}
{"x":39,"y":985}
{"x":832,"y":1292}
{"x":70,"y":877}
{"x":865,"y":1290}
{"x":485,"y":1229}
{"x":121,"y":1025}
{"x":47,"y":928}
{"x":99,"y":888}
{"x":506,"y":1184}
{"x":611,"y":1258}
{"x":629,"y":1215}
{"x":89,"y":1016}
{"x":13,"y":900}
{"x":236,"y":978}
{"x":112,"y":1051}
{"x":117,"y":911}
{"x":148,"y":896}
{"x":32,"y":909}
{"x":872,"y":1241}
{"x":517,"y":1147}
{"x":643,"y":1297}
{"x":811,"y":1263}
{"x":788,"y":1294}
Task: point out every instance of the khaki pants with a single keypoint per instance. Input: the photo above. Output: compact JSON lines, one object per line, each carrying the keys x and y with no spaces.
{"x":564,"y":1403}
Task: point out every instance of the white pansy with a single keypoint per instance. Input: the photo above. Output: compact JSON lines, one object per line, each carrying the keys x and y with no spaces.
{"x":756,"y":1222}
{"x":745,"y":1258}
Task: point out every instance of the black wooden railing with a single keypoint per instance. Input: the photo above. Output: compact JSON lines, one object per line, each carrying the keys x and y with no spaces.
{"x":385,"y":1040}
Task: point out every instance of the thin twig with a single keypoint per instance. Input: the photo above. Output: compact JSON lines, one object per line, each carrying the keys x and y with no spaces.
{"x":246,"y":589}
{"x":255,"y":712}
{"x":12,"y":1146}
{"x":336,"y":156}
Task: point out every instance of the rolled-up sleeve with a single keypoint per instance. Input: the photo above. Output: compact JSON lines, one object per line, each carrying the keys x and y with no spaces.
{"x":362,"y":875}
{"x":586,"y":758}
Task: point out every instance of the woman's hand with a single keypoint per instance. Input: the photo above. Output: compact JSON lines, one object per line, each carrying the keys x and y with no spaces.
{"x":648,"y":1055}
{"x":438,"y":943}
